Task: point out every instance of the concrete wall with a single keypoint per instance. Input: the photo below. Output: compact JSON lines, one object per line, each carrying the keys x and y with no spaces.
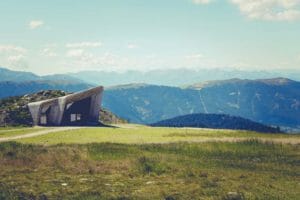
{"x":55,"y":109}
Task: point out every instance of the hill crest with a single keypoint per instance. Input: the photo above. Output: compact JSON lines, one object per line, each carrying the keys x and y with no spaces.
{"x":216,"y":121}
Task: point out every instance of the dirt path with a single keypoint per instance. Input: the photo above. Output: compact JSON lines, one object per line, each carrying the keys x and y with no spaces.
{"x":37,"y":133}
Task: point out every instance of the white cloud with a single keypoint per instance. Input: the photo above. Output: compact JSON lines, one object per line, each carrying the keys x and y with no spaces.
{"x":81,"y":58}
{"x":270,"y":10}
{"x":84,"y":58}
{"x":79,"y":54}
{"x":51,"y":45}
{"x":132,"y":46}
{"x":196,"y":60}
{"x":17,"y":61}
{"x":35,"y":24}
{"x":48,"y":52}
{"x":202,"y":1}
{"x":11,"y":48}
{"x":194,"y":56}
{"x":15,"y":58}
{"x":83,"y":44}
{"x":75,"y":53}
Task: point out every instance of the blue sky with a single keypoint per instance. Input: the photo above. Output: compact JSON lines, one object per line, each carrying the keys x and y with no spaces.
{"x":61,"y":36}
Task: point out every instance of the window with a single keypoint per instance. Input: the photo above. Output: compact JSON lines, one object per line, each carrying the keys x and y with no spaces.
{"x":43,"y":119}
{"x":75,"y":117}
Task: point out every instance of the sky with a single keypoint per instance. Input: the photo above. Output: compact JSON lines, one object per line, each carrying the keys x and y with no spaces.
{"x":60,"y":36}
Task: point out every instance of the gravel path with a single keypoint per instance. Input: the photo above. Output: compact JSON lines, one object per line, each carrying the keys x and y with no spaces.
{"x":37,"y":133}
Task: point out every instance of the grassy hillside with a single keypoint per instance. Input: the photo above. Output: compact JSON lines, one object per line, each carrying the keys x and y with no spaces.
{"x":138,"y":162}
{"x":131,"y":134}
{"x":215,"y":170}
{"x":15,"y":131}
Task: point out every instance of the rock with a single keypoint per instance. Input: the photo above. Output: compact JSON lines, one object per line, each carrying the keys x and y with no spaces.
{"x":170,"y":198}
{"x":204,"y":174}
{"x":234,"y":196}
{"x":43,"y":197}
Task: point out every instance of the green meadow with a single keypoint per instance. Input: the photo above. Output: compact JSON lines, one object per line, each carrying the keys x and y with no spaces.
{"x":11,"y":131}
{"x":136,"y":162}
{"x":136,"y":134}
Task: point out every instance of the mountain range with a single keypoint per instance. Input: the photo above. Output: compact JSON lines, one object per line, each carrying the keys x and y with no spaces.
{"x":274,"y":101}
{"x":8,"y":88}
{"x":15,"y":83}
{"x":177,"y":77}
{"x":7,"y":75}
{"x":168,"y":77}
{"x":268,"y":101}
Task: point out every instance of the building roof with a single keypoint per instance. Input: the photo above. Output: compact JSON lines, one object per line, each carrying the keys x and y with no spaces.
{"x":70,"y":97}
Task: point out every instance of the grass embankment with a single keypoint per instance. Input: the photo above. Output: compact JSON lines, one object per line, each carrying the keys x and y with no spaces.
{"x":132,"y":134}
{"x":249,"y":169}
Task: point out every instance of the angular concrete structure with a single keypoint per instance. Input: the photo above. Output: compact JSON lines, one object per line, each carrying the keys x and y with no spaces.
{"x":81,"y":108}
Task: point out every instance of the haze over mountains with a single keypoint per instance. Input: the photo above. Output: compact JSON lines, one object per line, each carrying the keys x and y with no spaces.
{"x":273,"y":101}
{"x":8,"y":88}
{"x":13,"y":83}
{"x":177,"y":77}
{"x":21,"y":76}
{"x":169,"y":77}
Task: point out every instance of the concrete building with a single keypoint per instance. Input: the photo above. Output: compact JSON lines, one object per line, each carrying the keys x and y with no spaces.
{"x":81,"y":108}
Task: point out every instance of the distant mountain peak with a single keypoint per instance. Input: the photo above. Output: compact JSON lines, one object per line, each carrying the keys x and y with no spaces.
{"x":272,"y":81}
{"x":277,"y":81}
{"x":128,"y":86}
{"x":200,"y":85}
{"x":22,"y":76}
{"x":17,"y":76}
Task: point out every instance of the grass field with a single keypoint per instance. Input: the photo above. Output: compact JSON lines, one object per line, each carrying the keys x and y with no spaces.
{"x":150,"y":163}
{"x":11,"y":131}
{"x":133,"y":134}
